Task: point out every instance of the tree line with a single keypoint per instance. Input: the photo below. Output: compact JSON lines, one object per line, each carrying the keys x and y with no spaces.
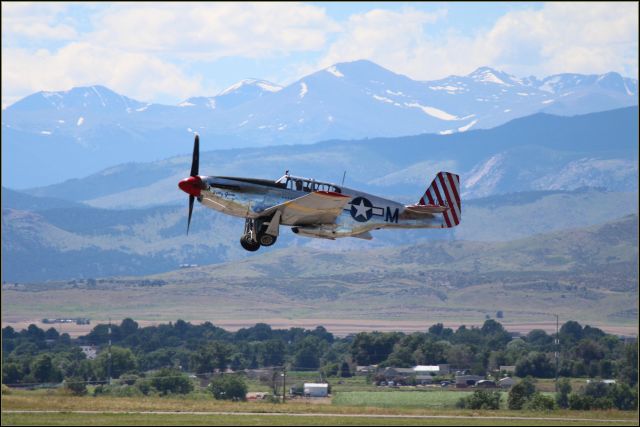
{"x":34,"y":355}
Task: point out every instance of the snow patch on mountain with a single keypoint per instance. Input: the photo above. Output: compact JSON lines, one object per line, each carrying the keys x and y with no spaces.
{"x":383,"y":99}
{"x":269,"y":87}
{"x":333,"y":70}
{"x":432,"y":111}
{"x":468,"y":126}
{"x":303,"y":90}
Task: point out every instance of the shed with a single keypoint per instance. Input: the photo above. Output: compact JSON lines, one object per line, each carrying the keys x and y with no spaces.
{"x":463,"y":381}
{"x":506,"y":382}
{"x":316,"y":390}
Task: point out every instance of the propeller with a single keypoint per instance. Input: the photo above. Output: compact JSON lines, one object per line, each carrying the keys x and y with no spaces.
{"x":193,"y":185}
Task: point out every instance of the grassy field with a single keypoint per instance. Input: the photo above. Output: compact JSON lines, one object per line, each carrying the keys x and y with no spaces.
{"x":400,"y":399}
{"x":70,"y":419}
{"x":52,"y":400}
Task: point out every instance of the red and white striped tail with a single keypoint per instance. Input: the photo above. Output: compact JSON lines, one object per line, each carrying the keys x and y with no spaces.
{"x":445,"y":191}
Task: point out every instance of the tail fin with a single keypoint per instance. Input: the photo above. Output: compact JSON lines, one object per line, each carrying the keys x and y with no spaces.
{"x":445,"y":191}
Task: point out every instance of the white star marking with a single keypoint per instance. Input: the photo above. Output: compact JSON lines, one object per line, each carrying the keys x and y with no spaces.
{"x":361,"y":209}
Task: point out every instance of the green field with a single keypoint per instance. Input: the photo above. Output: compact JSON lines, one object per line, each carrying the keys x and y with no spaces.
{"x":62,"y":409}
{"x":400,"y":399}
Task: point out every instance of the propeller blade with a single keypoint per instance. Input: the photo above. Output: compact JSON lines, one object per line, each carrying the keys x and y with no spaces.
{"x":195,"y":161}
{"x":191,"y":199}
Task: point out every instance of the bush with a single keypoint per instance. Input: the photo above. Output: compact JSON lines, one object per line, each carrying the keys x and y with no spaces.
{"x":580,"y":402}
{"x":520,"y":393}
{"x":76,"y":385}
{"x":144,"y":385}
{"x":539,"y":402}
{"x":562,"y":396}
{"x":168,"y":381}
{"x":228,"y":387}
{"x":481,"y":399}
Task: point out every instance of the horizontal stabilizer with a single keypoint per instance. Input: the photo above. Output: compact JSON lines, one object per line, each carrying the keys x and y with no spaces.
{"x":366,"y":236}
{"x":425,"y":209}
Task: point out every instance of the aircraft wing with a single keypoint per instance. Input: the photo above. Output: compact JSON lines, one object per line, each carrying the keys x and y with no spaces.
{"x":319,"y":207}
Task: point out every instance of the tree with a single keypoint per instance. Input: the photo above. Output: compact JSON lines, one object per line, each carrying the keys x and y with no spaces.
{"x":128,"y":327}
{"x":481,"y":399}
{"x":520,"y":393}
{"x":43,"y":370}
{"x":171,"y":381}
{"x":373,"y":348}
{"x":570,"y":332}
{"x":629,"y":370}
{"x":122,"y":361}
{"x":228,"y":387}
{"x":216,"y":355}
{"x":535,"y":364}
{"x":11,"y":373}
{"x":345,"y":371}
{"x":539,"y":402}
{"x":460,"y":356}
{"x":562,"y":396}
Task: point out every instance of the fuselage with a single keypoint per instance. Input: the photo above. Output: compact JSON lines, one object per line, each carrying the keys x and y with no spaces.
{"x":248,"y":198}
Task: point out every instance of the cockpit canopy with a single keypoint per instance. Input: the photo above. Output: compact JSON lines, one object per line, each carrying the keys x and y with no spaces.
{"x":305,"y":184}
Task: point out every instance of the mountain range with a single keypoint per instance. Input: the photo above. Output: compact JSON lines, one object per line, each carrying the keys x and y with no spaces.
{"x":538,"y":152}
{"x":52,"y":136}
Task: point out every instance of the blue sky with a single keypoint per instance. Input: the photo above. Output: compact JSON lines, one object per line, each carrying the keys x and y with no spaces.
{"x":166,"y":52}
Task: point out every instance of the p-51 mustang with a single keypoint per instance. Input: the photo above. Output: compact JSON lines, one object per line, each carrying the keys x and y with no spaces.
{"x":317,"y":209}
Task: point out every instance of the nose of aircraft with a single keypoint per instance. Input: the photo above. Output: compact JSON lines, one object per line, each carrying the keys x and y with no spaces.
{"x":191,"y":185}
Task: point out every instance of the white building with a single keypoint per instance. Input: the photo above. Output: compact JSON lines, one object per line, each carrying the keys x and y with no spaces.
{"x":316,"y":390}
{"x":431,"y":369}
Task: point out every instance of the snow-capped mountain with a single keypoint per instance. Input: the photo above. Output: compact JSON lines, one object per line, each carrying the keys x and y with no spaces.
{"x":51,"y":136}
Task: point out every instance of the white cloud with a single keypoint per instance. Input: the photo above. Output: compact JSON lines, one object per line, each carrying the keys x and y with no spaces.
{"x":560,"y":37}
{"x":35,"y":21}
{"x":144,"y":50}
{"x":208,"y":31}
{"x":136,"y":75}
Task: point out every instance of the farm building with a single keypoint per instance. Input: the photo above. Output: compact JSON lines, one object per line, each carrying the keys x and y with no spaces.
{"x":464,"y":381}
{"x":507,"y":382}
{"x":485,"y":384}
{"x":508,"y":368}
{"x":316,"y":390}
{"x":432,"y":369}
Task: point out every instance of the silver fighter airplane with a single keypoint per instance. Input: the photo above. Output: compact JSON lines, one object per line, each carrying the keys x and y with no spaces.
{"x":317,"y":209}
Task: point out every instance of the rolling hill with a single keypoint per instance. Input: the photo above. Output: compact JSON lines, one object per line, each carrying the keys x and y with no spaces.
{"x":588,"y":275}
{"x":43,"y":240}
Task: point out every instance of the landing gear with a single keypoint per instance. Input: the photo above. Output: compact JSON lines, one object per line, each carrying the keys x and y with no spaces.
{"x":267,"y":239}
{"x":247,"y":243}
{"x":255,"y":235}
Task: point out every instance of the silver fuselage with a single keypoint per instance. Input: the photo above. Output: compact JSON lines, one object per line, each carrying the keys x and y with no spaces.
{"x":248,"y":198}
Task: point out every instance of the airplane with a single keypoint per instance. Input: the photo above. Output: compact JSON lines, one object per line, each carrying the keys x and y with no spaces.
{"x":315,"y":208}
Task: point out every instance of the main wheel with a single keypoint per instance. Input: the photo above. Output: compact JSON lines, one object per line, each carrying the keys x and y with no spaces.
{"x":267,"y":239}
{"x":248,"y":244}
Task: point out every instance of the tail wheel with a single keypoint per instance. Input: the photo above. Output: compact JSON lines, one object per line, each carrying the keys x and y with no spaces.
{"x":267,"y":239}
{"x":247,"y":243}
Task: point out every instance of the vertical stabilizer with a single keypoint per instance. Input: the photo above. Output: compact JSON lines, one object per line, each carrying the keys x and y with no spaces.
{"x":445,"y":191}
